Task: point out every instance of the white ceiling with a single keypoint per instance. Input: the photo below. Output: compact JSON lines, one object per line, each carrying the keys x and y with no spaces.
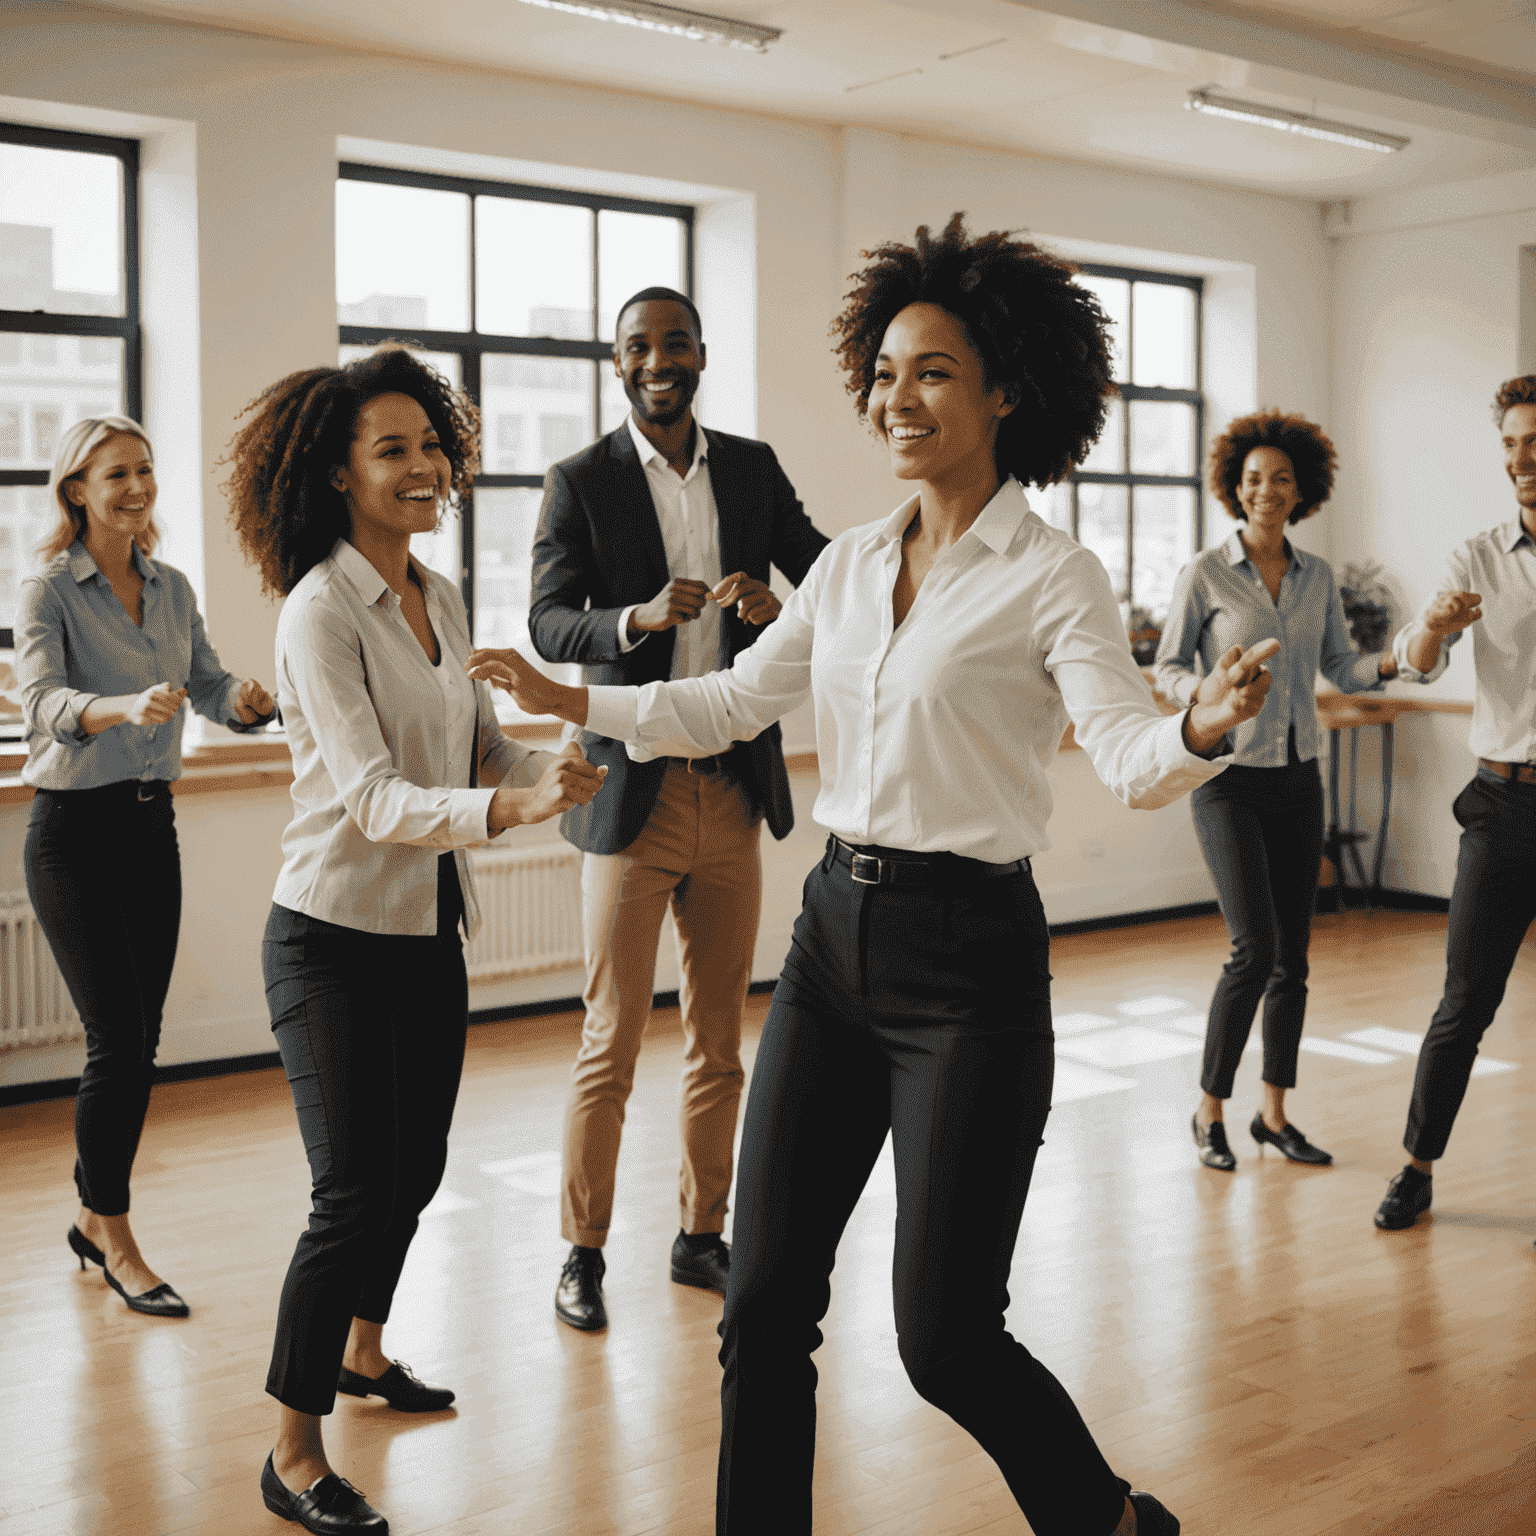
{"x":1087,"y":85}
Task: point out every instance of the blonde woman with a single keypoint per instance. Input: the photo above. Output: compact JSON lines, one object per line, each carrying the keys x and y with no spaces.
{"x":109,"y":644}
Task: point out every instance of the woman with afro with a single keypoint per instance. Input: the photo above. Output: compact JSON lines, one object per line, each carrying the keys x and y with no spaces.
{"x":1260,"y":824}
{"x":399,"y":765}
{"x":944,"y":649}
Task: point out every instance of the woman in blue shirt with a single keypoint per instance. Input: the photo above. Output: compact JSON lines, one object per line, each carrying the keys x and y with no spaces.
{"x":1260,"y":824}
{"x":109,"y":644}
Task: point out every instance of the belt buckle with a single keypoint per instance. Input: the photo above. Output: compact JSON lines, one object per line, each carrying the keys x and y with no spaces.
{"x":143,"y":796}
{"x":865,"y":862}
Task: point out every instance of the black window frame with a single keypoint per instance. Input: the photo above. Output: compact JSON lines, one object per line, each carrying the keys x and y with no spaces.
{"x":471,"y":345}
{"x":126,"y":327}
{"x":1129,"y":392}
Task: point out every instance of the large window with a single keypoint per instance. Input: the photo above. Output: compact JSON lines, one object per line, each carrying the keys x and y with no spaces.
{"x":1135,"y":500}
{"x":69,"y":316}
{"x":511,"y":292}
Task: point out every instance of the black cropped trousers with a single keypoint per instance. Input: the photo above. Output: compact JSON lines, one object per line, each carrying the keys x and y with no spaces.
{"x":924,"y":1015}
{"x":371,"y":1030}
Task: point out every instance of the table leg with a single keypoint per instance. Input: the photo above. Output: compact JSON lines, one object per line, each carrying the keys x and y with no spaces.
{"x":1386,"y":808}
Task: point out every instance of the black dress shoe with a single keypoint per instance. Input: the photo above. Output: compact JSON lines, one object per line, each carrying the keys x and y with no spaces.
{"x":1290,"y":1141}
{"x":1408,"y":1197}
{"x":1152,"y":1519}
{"x":329,"y":1506}
{"x":708,"y":1267}
{"x":399,"y":1386}
{"x":162,"y":1301}
{"x":85,"y":1248}
{"x":579,"y":1296}
{"x":1212,"y":1141}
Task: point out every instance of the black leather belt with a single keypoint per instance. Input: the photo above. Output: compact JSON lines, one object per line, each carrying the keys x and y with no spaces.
{"x":1520,"y":773}
{"x":918,"y":869}
{"x":718,"y":763}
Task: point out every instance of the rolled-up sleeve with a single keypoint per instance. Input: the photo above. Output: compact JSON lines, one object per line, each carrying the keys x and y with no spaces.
{"x":325,"y":670}
{"x":1457,"y":579}
{"x":49,"y":705}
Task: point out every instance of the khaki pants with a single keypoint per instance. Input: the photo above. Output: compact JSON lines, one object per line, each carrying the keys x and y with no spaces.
{"x":698,"y":851}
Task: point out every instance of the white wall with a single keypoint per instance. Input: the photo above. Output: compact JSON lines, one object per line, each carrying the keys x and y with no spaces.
{"x":251,"y":127}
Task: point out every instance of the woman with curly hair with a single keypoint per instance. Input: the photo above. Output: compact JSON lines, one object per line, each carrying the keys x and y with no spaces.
{"x":944,"y":648}
{"x":399,"y":766}
{"x":1260,"y":824}
{"x":109,"y":647}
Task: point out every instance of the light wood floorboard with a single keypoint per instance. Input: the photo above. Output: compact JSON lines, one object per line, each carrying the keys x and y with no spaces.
{"x":1248,"y":1346}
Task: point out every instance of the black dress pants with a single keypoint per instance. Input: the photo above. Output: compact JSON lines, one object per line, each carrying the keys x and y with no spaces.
{"x":104,"y":875}
{"x":923,"y":1014}
{"x":1261,"y":832}
{"x":371,"y":1029}
{"x":1492,"y":905}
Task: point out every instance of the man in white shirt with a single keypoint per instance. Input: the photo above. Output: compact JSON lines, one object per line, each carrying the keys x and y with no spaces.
{"x":651,"y":563}
{"x":1490,"y":583}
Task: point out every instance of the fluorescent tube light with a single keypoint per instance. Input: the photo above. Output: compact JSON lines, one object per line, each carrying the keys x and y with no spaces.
{"x":672,"y":19}
{"x":1295,"y":122}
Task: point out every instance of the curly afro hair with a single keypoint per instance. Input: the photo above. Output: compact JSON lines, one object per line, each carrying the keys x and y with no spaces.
{"x":287,"y":513}
{"x":1301,"y":441}
{"x":1038,"y":334}
{"x":1521,"y":391}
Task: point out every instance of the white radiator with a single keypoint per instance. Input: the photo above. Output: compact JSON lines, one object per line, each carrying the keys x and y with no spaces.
{"x":530,"y":906}
{"x":34,"y":1002}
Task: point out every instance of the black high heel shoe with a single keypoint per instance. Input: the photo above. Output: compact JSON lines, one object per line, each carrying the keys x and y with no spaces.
{"x":1291,"y":1142}
{"x":82,"y":1246}
{"x":161,"y":1301}
{"x":1214,"y":1151}
{"x":1152,"y":1518}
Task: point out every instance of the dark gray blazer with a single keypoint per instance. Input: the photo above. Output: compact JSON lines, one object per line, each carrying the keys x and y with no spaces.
{"x":598,"y":550}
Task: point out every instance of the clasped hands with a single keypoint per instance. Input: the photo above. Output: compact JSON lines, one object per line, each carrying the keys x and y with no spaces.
{"x":1231,"y":692}
{"x":682,"y":600}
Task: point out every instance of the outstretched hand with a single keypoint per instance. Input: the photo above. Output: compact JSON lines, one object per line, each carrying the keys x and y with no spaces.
{"x":1453,"y":611}
{"x":1231,"y":692}
{"x":531,"y":690}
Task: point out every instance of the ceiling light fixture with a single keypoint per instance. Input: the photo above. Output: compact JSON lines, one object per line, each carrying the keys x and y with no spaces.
{"x":697,"y":26}
{"x":1295,"y":122}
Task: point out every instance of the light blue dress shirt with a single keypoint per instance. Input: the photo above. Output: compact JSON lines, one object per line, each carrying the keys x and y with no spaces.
{"x":1220,"y":600}
{"x":75,"y":642}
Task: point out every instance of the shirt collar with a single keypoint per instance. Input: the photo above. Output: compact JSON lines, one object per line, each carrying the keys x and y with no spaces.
{"x":360,"y":571}
{"x":649,"y":452}
{"x":1236,"y":554}
{"x":995,"y":525}
{"x":82,"y":564}
{"x":1511,"y":534}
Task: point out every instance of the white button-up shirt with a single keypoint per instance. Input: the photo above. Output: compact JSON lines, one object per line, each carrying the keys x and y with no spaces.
{"x":690,"y":535}
{"x":936,"y":736}
{"x":1500,"y":565}
{"x":384,"y":746}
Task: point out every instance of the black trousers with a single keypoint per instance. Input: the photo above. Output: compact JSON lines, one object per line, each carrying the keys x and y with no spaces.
{"x":1261,"y":832}
{"x":925,"y":1015}
{"x":371,"y":1031}
{"x":104,"y":875}
{"x":1492,"y":905}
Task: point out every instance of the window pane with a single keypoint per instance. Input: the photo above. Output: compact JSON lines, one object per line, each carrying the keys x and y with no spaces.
{"x":1054,"y":504}
{"x":61,"y":231}
{"x":1108,"y":454}
{"x":449,"y":364}
{"x":535,"y":411}
{"x":1114,"y":293}
{"x":1162,"y":437}
{"x":25,"y":522}
{"x":1164,"y":340}
{"x":615,"y":402}
{"x":402,"y":257}
{"x":533,"y":269}
{"x":1101,"y":520}
{"x":635,"y":251}
{"x":47,"y":383}
{"x":1164,"y":541}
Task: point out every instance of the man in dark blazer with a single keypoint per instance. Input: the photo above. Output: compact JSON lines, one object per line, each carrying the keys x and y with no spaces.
{"x":651,"y":563}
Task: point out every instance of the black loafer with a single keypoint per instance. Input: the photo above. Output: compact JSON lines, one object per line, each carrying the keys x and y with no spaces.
{"x":1152,"y":1519}
{"x":1212,"y":1141}
{"x":328,"y":1507}
{"x":708,"y":1268}
{"x":1408,"y":1197}
{"x":85,"y":1249}
{"x":579,"y":1296}
{"x":1290,"y":1141}
{"x":399,"y":1386}
{"x":162,"y":1301}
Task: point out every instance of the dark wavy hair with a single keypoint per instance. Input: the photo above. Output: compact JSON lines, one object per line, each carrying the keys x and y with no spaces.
{"x":286,"y":511}
{"x":1521,"y":391}
{"x":1303,"y":442}
{"x":1039,"y":336}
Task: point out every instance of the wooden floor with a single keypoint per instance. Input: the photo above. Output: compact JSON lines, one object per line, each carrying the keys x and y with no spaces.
{"x":1248,"y":1346}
